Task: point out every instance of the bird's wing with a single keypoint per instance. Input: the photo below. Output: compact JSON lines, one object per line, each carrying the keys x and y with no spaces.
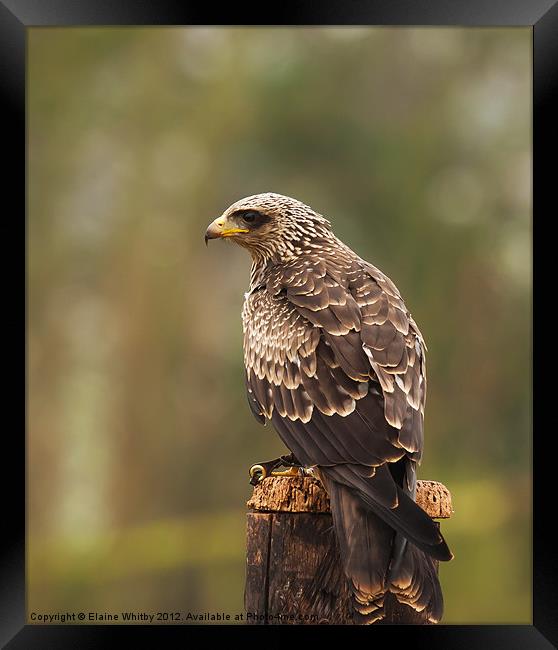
{"x":324,"y":341}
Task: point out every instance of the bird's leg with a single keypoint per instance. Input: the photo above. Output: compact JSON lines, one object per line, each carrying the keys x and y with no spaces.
{"x":259,"y":471}
{"x":292,"y":463}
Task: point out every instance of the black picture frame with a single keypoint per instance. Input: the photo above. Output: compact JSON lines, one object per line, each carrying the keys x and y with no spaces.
{"x":18,"y":15}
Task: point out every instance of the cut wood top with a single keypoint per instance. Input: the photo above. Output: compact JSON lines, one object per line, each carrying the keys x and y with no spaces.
{"x":306,"y":494}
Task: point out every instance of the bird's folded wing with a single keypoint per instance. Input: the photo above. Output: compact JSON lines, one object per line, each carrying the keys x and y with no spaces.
{"x":332,"y":353}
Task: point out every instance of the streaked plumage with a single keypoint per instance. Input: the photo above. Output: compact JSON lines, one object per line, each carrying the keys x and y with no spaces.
{"x":336,"y":362}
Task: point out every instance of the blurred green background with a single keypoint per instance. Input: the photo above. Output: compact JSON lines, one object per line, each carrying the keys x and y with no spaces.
{"x":415,"y":143}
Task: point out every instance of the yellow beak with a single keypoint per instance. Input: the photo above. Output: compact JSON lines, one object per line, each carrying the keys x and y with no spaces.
{"x":218,"y":228}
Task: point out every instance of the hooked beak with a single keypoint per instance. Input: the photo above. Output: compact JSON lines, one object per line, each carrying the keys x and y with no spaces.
{"x":218,"y":228}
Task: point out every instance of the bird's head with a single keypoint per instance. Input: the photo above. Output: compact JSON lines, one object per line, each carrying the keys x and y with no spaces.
{"x":270,"y":226}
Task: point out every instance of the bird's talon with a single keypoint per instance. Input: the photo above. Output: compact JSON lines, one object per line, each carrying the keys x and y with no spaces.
{"x":257,"y":474}
{"x":259,"y":471}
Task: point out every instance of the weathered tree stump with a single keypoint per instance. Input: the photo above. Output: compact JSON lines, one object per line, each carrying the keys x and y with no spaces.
{"x":293,"y":569}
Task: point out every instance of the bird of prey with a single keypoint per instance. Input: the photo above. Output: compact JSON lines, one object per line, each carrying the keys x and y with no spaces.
{"x":336,"y":362}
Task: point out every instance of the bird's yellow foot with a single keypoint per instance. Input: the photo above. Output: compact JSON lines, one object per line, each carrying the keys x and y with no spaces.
{"x":259,"y":471}
{"x":292,"y":471}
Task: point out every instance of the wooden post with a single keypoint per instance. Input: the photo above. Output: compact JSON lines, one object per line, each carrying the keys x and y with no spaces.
{"x":293,"y":569}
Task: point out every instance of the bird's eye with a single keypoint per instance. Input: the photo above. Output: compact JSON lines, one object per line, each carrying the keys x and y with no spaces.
{"x":250,"y":216}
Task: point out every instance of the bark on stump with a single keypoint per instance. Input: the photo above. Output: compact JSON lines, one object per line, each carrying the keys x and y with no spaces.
{"x":293,"y":569}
